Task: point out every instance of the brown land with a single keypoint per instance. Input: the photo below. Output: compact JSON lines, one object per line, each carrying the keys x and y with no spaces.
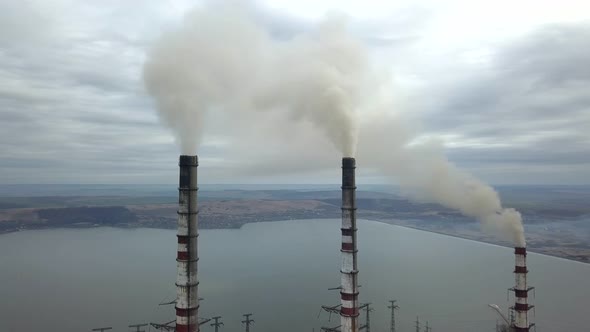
{"x":557,"y":239}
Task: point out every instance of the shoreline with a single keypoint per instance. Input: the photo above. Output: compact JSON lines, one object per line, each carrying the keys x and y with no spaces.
{"x":123,"y":226}
{"x":496,"y":244}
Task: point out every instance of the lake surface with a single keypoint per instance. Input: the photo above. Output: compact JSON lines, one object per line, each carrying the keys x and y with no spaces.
{"x":77,"y":279}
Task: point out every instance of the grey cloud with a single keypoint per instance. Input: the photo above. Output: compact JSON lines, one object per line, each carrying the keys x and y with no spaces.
{"x":397,"y":29}
{"x":549,"y":153}
{"x":281,"y":25}
{"x":72,"y":104}
{"x":533,"y":100}
{"x":20,"y":22}
{"x":553,"y":55}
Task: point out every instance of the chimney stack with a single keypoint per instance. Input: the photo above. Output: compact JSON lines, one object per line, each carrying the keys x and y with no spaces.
{"x":521,"y":290}
{"x":349,"y":310}
{"x":187,"y":304}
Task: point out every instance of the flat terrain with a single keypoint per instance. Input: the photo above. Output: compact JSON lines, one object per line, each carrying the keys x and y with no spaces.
{"x":557,"y":219}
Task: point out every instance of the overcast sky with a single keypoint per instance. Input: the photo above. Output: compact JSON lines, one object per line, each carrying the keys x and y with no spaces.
{"x":504,"y":85}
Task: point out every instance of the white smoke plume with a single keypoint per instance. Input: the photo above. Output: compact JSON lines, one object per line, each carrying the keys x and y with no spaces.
{"x":319,"y":77}
{"x":202,"y":66}
{"x":388,"y":144}
{"x":222,"y":60}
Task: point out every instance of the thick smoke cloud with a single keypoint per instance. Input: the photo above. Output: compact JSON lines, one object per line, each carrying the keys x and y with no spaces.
{"x":319,"y":77}
{"x":392,"y":145}
{"x":225,"y":62}
{"x":201,"y":66}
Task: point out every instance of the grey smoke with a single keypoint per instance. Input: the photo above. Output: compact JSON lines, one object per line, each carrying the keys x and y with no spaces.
{"x":202,"y":66}
{"x":392,"y":145}
{"x":224,"y":61}
{"x":319,"y":77}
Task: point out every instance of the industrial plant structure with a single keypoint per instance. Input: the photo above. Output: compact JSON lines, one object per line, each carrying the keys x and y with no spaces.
{"x":349,"y":309}
{"x":187,"y":300}
{"x":187,"y":283}
{"x":521,"y":291}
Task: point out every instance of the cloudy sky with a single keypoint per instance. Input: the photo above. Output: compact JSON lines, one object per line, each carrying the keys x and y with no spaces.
{"x":504,"y":86}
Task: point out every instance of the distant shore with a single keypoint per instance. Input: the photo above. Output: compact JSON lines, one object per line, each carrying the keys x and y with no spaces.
{"x":400,"y":223}
{"x":553,"y":227}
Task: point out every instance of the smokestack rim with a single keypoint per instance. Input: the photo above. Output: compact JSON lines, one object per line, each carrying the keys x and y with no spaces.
{"x":348,"y":175}
{"x":186,"y":160}
{"x":520,"y":251}
{"x":348,"y":162}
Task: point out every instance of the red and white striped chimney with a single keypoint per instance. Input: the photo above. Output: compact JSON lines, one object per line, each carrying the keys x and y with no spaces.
{"x":349,"y":310}
{"x":521,"y":290}
{"x":187,"y":304}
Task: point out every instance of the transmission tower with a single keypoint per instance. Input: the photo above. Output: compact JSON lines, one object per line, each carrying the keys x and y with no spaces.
{"x":417,"y":324}
{"x":331,"y":310}
{"x":138,"y":326}
{"x":164,"y":327}
{"x":102,"y":329}
{"x":368,"y":309}
{"x":247,"y":321}
{"x":393,"y":308}
{"x":217,"y":323}
{"x":427,"y":328}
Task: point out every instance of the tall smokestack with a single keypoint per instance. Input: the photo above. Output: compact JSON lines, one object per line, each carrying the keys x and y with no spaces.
{"x":521,"y":290}
{"x":349,"y":310}
{"x":187,"y":304}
